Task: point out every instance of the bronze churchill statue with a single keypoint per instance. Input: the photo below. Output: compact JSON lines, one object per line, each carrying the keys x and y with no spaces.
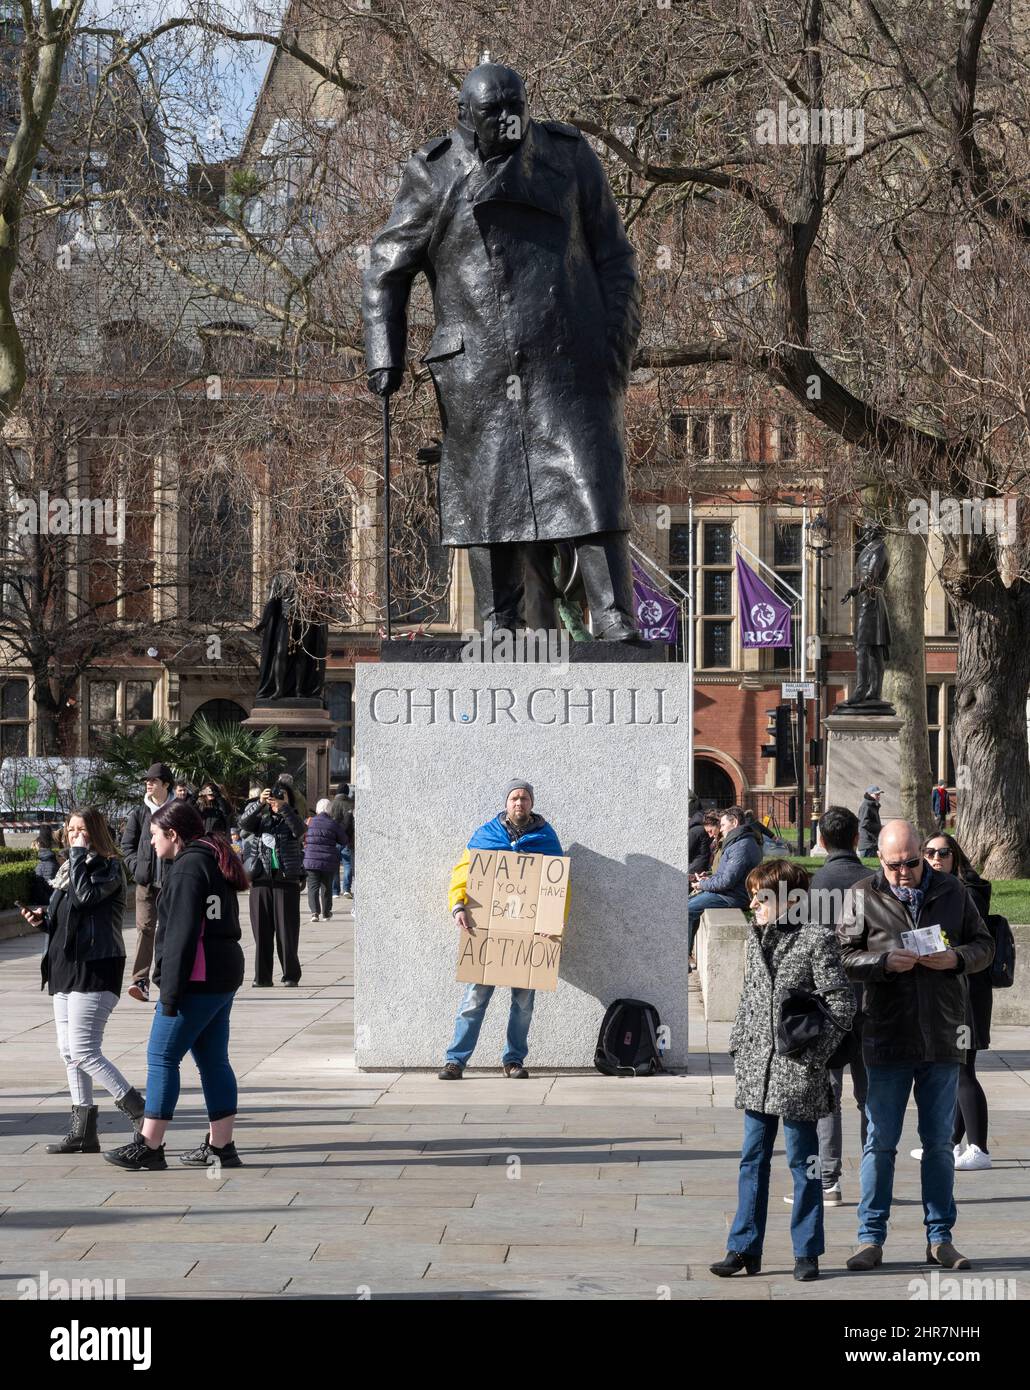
{"x":536,"y":301}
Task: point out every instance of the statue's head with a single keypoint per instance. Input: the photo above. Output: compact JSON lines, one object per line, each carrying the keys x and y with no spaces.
{"x":872,"y":531}
{"x":493,"y":103}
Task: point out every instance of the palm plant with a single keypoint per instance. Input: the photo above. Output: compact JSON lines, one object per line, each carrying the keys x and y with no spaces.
{"x":226,"y":753}
{"x":118,"y":782}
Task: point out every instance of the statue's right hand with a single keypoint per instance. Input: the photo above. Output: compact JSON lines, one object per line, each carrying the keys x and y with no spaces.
{"x":385,"y":381}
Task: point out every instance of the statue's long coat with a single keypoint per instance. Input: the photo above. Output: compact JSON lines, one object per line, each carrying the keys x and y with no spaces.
{"x":536,"y":297}
{"x":872,"y":625}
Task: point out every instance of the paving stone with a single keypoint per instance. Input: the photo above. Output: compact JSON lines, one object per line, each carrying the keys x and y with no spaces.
{"x":398,"y":1186}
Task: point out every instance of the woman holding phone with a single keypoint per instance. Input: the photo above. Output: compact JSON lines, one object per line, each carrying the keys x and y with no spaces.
{"x":198,"y":966}
{"x":82,"y":967}
{"x":276,"y":871}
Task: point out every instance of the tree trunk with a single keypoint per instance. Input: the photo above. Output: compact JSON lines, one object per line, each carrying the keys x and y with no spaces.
{"x":988,"y":738}
{"x":905,"y":679}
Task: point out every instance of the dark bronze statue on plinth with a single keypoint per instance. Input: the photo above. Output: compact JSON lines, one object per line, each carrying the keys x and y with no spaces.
{"x":872,"y":627}
{"x":536,"y":300}
{"x":293,"y":647}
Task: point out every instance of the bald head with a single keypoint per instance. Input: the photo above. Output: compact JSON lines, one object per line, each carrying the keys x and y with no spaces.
{"x":899,"y":843}
{"x":493,"y":103}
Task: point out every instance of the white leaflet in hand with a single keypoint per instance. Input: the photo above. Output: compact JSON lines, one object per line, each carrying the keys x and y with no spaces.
{"x":925,"y":941}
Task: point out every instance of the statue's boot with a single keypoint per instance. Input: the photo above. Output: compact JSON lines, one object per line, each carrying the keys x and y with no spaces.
{"x":604,"y":564}
{"x":497,"y":581}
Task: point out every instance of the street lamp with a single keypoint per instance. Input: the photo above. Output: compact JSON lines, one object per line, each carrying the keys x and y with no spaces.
{"x":818,"y":541}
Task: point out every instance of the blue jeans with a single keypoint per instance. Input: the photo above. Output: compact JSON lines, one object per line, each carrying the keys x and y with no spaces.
{"x":936,"y":1088}
{"x":470,"y":1019}
{"x":201,"y":1027}
{"x":699,"y":903}
{"x":347,"y":860}
{"x":747,"y":1234}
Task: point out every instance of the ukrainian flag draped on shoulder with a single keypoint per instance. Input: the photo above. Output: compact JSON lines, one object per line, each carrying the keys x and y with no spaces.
{"x":537,"y":839}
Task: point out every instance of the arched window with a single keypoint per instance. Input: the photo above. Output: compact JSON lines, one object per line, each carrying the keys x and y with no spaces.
{"x":220,"y":712}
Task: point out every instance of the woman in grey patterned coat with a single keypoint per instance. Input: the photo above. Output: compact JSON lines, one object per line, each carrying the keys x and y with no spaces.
{"x":784,"y":951}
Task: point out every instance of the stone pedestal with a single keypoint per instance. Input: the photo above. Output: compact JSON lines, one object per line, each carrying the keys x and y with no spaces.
{"x":862,"y":751}
{"x":721,"y":950}
{"x":605,"y":747}
{"x":305,"y":737}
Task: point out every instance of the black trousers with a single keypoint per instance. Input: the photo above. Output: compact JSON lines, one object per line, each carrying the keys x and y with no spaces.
{"x":514,"y":583}
{"x":320,"y":891}
{"x":275,"y":917}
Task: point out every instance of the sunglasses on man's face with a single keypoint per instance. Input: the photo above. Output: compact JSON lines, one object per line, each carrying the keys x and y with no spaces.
{"x":938,"y":853}
{"x":901,"y":864}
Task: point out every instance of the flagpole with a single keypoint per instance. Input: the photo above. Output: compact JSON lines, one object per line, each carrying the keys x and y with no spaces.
{"x":762,"y":565}
{"x":654,"y":565}
{"x":691,"y":586}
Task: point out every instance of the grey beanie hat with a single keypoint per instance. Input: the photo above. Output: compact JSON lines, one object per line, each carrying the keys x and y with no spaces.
{"x":517,"y":785}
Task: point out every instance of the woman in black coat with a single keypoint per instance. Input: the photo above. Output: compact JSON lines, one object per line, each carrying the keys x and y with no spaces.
{"x":198,"y":966}
{"x":943,"y":853}
{"x":82,"y":967}
{"x":214,"y":809}
{"x":47,"y":866}
{"x":277,"y":872}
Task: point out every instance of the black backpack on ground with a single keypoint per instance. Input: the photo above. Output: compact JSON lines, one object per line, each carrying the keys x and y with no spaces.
{"x":1003,"y":966}
{"x":627,"y":1044}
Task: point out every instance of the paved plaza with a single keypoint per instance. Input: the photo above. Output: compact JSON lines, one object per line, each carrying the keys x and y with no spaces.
{"x":400,"y":1185}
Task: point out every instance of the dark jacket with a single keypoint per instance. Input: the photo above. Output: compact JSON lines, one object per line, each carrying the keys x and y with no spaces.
{"x":781,"y":957}
{"x":841,"y":871}
{"x":740,"y":853}
{"x":217,"y":819}
{"x":534,"y":282}
{"x":342,"y":810}
{"x":981,"y":992}
{"x":95,"y":899}
{"x":917,"y":1015}
{"x":287,"y":830}
{"x":196,"y":894}
{"x":42,"y":876}
{"x":869,"y":826}
{"x":137,"y":851}
{"x":322,"y":847}
{"x":699,"y":845}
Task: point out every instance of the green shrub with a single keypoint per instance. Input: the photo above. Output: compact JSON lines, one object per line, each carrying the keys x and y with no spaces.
{"x":17,"y":856}
{"x":15,"y":882}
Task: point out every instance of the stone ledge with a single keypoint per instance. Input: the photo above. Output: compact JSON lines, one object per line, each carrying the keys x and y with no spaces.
{"x":721,"y":946}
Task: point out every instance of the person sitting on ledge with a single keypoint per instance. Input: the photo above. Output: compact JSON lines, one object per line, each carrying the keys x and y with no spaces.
{"x":520,"y":828}
{"x":727,"y":886}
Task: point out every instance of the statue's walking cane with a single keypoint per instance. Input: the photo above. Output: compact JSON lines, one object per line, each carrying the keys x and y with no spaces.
{"x":386,"y":509}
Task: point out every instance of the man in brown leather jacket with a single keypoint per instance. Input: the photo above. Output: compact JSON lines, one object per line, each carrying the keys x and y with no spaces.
{"x":915,"y":1033}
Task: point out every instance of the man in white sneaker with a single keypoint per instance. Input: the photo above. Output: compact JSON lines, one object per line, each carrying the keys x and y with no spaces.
{"x":915,"y":1034}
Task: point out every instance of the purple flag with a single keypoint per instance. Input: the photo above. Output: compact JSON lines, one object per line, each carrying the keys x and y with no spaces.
{"x":764,"y":618}
{"x":657,"y":616}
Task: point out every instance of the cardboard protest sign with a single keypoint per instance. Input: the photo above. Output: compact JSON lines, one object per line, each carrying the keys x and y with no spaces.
{"x":514,"y":903}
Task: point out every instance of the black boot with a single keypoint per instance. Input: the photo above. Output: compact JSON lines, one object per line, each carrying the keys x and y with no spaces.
{"x":133,"y":1105}
{"x":82,"y":1136}
{"x":734,"y":1263}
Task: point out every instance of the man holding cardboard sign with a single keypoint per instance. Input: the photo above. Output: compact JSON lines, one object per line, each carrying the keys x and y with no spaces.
{"x":509,"y":895}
